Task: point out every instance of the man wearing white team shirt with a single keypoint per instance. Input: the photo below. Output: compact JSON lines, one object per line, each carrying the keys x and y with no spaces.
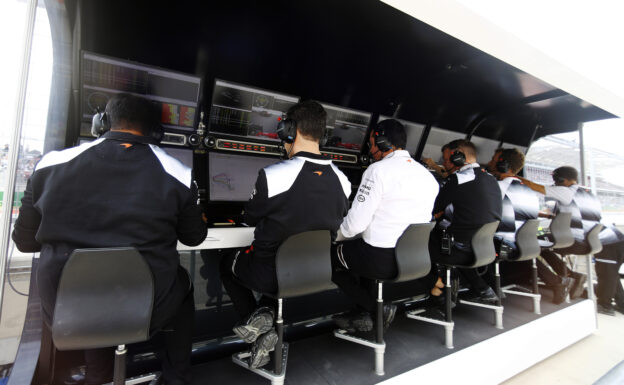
{"x":395,"y":191}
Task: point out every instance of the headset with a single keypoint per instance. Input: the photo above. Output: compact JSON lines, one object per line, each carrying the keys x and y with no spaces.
{"x":558,"y":179}
{"x":502,"y":165}
{"x":287,"y":129}
{"x":458,"y":158}
{"x":381,"y":140}
{"x":100,"y":124}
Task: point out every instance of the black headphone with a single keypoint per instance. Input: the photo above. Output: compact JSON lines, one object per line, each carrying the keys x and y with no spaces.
{"x":458,"y":158}
{"x":502,"y":165}
{"x":558,"y":179}
{"x":100,"y":124}
{"x":381,"y":141}
{"x":287,"y":129}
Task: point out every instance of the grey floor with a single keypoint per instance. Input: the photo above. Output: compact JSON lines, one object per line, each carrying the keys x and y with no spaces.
{"x":324,"y":359}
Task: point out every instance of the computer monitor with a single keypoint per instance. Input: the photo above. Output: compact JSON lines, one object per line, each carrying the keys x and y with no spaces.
{"x":176,"y":94}
{"x":248,"y":112}
{"x":184,"y":155}
{"x":232,"y":177}
{"x":346,"y":128}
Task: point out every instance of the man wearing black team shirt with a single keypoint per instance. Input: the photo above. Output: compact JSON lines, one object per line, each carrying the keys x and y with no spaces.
{"x":472,"y":198}
{"x":306,"y":192}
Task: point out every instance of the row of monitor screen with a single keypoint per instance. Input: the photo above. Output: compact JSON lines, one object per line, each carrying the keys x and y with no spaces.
{"x":237,"y":110}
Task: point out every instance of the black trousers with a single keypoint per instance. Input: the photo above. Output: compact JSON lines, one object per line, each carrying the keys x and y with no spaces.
{"x":241,"y":273}
{"x":356,"y":265}
{"x":171,"y":328}
{"x":608,"y":263}
{"x":457,"y":257}
{"x":557,"y":263}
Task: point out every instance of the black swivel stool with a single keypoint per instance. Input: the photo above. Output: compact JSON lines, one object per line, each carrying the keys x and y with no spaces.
{"x":303,"y":266}
{"x":413,"y":262}
{"x":528,"y":249}
{"x":104,"y":299}
{"x":483,"y":248}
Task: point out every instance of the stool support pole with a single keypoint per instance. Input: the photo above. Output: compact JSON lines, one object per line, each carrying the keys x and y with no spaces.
{"x":119,"y":374}
{"x":379,"y":323}
{"x":449,"y":293}
{"x":279,"y":323}
{"x":535,"y":285}
{"x":497,"y":283}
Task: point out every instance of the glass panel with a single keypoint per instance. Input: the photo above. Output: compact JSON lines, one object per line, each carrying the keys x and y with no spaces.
{"x":31,"y":148}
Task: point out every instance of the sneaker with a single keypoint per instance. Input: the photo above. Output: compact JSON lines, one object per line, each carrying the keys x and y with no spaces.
{"x":577,"y":287}
{"x":389,"y":312}
{"x":560,"y":292}
{"x":261,"y":349}
{"x":487,"y":296}
{"x":258,"y":323}
{"x":607,"y":310}
{"x":354,"y":320}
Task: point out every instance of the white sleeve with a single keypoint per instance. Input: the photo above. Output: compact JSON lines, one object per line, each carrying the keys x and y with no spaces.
{"x":364,"y":204}
{"x":561,"y":194}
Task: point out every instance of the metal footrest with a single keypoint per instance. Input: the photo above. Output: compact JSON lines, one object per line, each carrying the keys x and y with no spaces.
{"x":380,"y":348}
{"x":242,"y":359}
{"x":153,"y":379}
{"x":498,"y":310}
{"x":448,"y":326}
{"x":522,"y":291}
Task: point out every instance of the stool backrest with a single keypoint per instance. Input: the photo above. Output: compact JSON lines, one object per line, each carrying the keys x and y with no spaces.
{"x":104,"y":299}
{"x":303,"y":264}
{"x":561,"y":231}
{"x":526,"y":240}
{"x":412,"y":252}
{"x":593,"y":239}
{"x":483,"y":244}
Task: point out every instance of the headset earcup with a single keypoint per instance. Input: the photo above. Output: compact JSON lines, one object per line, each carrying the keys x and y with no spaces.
{"x":286,"y":130}
{"x":99,"y":124}
{"x":458,"y":158}
{"x":502,"y":166}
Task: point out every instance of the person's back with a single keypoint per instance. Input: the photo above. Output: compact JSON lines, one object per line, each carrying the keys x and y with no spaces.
{"x":119,"y":190}
{"x":306,"y":192}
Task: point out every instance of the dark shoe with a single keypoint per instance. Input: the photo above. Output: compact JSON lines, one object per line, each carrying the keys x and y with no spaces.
{"x":258,"y":323}
{"x":354,"y":320}
{"x":577,"y":287}
{"x":261,"y":349}
{"x":619,"y":308}
{"x":487,"y":296}
{"x":389,"y":311}
{"x":76,"y":376}
{"x":560,"y":292}
{"x":434,"y":313}
{"x":607,"y":310}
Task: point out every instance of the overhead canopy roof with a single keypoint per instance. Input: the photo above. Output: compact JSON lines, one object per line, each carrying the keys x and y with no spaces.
{"x":362,"y":54}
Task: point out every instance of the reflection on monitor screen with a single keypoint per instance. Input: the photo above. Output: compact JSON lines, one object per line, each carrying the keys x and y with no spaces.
{"x":232,"y":177}
{"x":182,"y":154}
{"x":248,"y":112}
{"x":346,"y":129}
{"x":176,"y":94}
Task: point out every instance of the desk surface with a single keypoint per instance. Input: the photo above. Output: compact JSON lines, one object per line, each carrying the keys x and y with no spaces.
{"x":223,"y":238}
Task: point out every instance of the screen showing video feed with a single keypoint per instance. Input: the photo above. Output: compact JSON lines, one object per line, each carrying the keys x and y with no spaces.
{"x":175,"y":95}
{"x":346,"y":129}
{"x":232,"y":177}
{"x":247,"y":112}
{"x":182,"y":154}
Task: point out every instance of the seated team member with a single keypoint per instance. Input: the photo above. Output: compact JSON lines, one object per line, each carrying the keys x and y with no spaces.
{"x":119,"y":190}
{"x":566,"y":193}
{"x":306,"y":192}
{"x":476,"y":200}
{"x":395,"y":191}
{"x":608,"y":263}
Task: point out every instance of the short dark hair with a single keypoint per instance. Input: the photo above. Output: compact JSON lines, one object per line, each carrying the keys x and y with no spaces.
{"x":394,"y":131}
{"x":136,"y":111}
{"x":310,"y":117}
{"x":514,"y":158}
{"x":565,"y":172}
{"x":463,"y":145}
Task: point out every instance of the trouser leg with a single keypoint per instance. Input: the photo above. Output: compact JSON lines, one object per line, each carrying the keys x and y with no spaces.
{"x":173,"y":345}
{"x":477,"y":283}
{"x":549,"y":278}
{"x":556,"y":262}
{"x":242,"y":298}
{"x":608,"y":278}
{"x":100,"y":364}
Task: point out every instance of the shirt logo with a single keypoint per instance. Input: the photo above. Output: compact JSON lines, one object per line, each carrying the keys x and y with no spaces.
{"x":126,"y":145}
{"x":319,"y":173}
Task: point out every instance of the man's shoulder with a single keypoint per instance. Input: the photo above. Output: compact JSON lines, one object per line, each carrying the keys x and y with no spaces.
{"x":54,"y":158}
